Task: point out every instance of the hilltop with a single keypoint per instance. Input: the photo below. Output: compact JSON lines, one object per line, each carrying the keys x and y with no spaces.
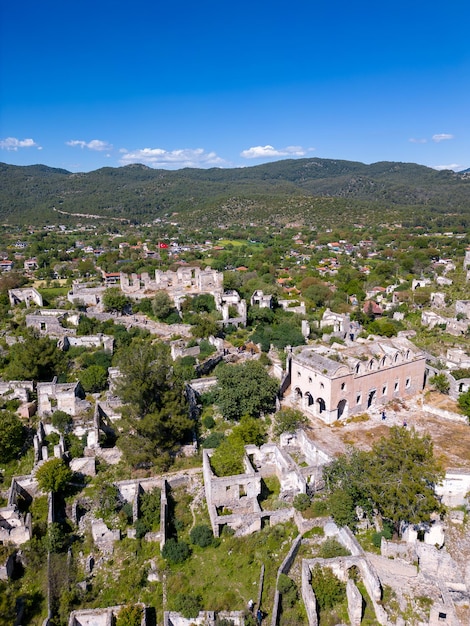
{"x":322,"y":190}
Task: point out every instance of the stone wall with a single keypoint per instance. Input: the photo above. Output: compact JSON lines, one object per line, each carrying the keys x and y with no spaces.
{"x":100,"y":617}
{"x":204,"y":618}
{"x":284,"y":569}
{"x":454,"y":488}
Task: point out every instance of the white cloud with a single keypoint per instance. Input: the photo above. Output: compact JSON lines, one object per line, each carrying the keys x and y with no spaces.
{"x":95,"y":144}
{"x":414,"y":140}
{"x":12,"y":143}
{"x":452,"y":166}
{"x":261,"y":152}
{"x":442,"y":137}
{"x":187,"y":157}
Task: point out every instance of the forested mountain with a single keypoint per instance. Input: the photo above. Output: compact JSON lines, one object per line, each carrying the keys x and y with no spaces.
{"x":304,"y":189}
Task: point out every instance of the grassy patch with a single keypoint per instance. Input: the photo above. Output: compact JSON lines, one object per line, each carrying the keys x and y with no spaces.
{"x":227,"y":576}
{"x":270,"y":490}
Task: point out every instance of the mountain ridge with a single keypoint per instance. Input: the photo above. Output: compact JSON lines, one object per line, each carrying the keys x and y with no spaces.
{"x":137,"y":191}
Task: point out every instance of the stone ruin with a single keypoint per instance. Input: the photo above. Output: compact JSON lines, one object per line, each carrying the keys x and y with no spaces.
{"x":224,"y":301}
{"x":101,"y":617}
{"x":233,"y":501}
{"x":67,"y":397}
{"x":28,"y":295}
{"x":204,"y":618}
{"x":15,"y":527}
{"x":85,"y":294}
{"x":49,"y":322}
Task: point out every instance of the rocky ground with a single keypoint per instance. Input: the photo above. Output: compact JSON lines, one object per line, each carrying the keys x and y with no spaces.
{"x":451,"y":438}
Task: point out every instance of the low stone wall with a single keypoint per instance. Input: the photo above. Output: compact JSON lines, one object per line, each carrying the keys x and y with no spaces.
{"x":204,"y":618}
{"x":392,"y":549}
{"x":284,"y":569}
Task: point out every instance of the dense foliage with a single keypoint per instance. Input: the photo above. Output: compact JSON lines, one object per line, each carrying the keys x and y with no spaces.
{"x":332,"y":188}
{"x":395,"y":479}
{"x":245,"y":389}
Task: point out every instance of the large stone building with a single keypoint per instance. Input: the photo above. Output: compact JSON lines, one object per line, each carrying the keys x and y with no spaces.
{"x":334,"y":382}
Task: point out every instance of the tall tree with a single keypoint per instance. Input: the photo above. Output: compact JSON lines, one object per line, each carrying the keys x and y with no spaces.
{"x":115,"y":300}
{"x":37,"y":358}
{"x":396,"y":480}
{"x":145,"y":374}
{"x":11,"y":436}
{"x":245,"y":389}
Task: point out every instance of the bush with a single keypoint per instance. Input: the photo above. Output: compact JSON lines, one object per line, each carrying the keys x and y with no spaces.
{"x":201,"y":536}
{"x":130,"y":615}
{"x":386,"y":532}
{"x":301,"y":502}
{"x":186,"y":604}
{"x":62,"y":421}
{"x":331,"y":548}
{"x":288,"y":589}
{"x":176,"y":552}
{"x":213,"y":440}
{"x":208,"y":421}
{"x":329,"y":591}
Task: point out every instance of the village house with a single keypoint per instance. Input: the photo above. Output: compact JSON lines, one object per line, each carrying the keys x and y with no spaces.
{"x":333,"y":382}
{"x":28,"y":295}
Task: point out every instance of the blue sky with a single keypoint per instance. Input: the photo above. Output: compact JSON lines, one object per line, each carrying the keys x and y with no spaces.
{"x":88,"y":84}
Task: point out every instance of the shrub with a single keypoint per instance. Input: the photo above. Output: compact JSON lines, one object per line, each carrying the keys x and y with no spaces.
{"x":287,"y":587}
{"x":213,"y":440}
{"x":130,"y":615}
{"x":208,"y":421}
{"x":62,"y":421}
{"x":201,"y":536}
{"x":329,"y":591}
{"x":187,"y":604}
{"x":301,"y":502}
{"x":176,"y":552}
{"x":331,"y":548}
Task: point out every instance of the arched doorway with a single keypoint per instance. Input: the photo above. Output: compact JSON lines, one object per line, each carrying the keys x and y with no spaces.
{"x":321,"y":405}
{"x":371,"y":397}
{"x":342,"y":408}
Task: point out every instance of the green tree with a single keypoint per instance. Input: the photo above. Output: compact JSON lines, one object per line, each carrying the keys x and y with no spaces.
{"x":145,"y":374}
{"x":114,"y":300}
{"x":228,"y":457}
{"x":53,"y":475}
{"x":289,"y":420}
{"x":201,"y":536}
{"x":62,"y":421}
{"x":245,"y":389}
{"x":37,"y":358}
{"x":204,"y":325}
{"x":149,"y":512}
{"x":94,"y":378}
{"x":440,"y":382}
{"x":162,"y":305}
{"x":11,"y":436}
{"x":464,"y":403}
{"x":328,"y":589}
{"x":130,"y":615}
{"x":395,"y":479}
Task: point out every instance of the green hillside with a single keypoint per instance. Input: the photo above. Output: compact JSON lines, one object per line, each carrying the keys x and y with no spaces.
{"x":296,"y":189}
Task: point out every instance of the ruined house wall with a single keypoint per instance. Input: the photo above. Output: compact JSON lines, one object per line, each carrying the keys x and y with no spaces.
{"x":454,"y":488}
{"x":308,"y":595}
{"x":284,"y":569}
